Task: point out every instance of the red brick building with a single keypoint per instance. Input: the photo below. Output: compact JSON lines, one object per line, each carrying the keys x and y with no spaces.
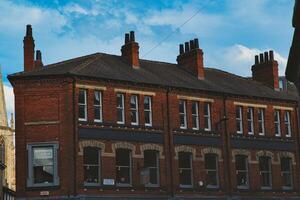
{"x":108,"y":126}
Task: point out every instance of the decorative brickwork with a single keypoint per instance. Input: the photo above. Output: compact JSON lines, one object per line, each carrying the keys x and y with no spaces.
{"x":153,"y":147}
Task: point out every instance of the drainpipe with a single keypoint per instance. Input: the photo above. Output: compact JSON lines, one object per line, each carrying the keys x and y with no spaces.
{"x":74,"y":134}
{"x":297,"y":155}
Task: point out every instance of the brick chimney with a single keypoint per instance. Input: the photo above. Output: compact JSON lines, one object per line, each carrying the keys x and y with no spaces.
{"x":28,"y":50}
{"x":191,"y":58}
{"x":265,"y":70}
{"x":130,"y":50}
{"x":38,"y":63}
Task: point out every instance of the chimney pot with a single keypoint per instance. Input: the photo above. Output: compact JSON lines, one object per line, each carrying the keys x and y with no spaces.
{"x":196,"y":43}
{"x":132,"y":38}
{"x":192,"y":45}
{"x":271,"y":55}
{"x":266,"y":56}
{"x":256,"y":59}
{"x":187,"y":47}
{"x":261,"y":58}
{"x":181,"y":49}
{"x":28,"y":30}
{"x":39,"y":55}
{"x":126,"y":38}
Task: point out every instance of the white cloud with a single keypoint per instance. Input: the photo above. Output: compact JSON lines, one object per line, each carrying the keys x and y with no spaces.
{"x":239,"y":59}
{"x":75,"y":8}
{"x":9,"y":100}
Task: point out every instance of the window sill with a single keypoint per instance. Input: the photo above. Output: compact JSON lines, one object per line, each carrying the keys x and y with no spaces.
{"x":266,"y":188}
{"x":39,"y":187}
{"x":186,"y":186}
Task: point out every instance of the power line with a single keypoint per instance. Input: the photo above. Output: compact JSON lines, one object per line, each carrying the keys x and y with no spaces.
{"x":171,"y":33}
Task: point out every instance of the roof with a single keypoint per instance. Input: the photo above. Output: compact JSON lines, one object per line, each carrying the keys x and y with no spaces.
{"x":113,"y":67}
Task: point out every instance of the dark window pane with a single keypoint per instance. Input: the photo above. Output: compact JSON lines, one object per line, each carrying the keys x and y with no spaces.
{"x":81,"y":111}
{"x":81,"y":97}
{"x":153,"y":176}
{"x":97,"y":112}
{"x":120,"y":115}
{"x":133,"y":115}
{"x":184,"y":160}
{"x":210,"y":161}
{"x":195,"y":119}
{"x":96,"y":98}
{"x":241,"y":163}
{"x":182,"y":120}
{"x":147,"y":117}
{"x":43,"y":165}
{"x":119,"y":100}
{"x":91,"y":174}
{"x":147,"y":103}
{"x":185,"y":177}
{"x":123,"y":175}
{"x":91,"y":156}
{"x":237,"y":112}
{"x":133,"y":102}
{"x":242,"y":179}
{"x":212,"y":178}
{"x":194,"y":108}
{"x":43,"y":174}
{"x":285,"y":164}
{"x":150,"y":158}
{"x":181,"y":106}
{"x":123,"y":157}
{"x":264,"y":163}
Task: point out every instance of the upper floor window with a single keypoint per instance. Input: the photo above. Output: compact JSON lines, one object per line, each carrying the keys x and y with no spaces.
{"x":211,"y":166}
{"x":277,"y":123}
{"x":120,"y":109}
{"x":134,"y":112}
{"x":242,"y":176}
{"x":286,"y":173}
{"x":207,"y":117}
{"x":151,"y":161}
{"x":182,"y":114}
{"x":148,"y":110}
{"x":239,"y":119}
{"x":281,"y":84}
{"x":250,"y":121}
{"x":265,"y":172}
{"x":287,"y":123}
{"x":261,"y":121}
{"x":185,"y":169}
{"x":42,"y":165}
{"x":91,"y":164}
{"x":97,"y":106}
{"x":123,"y":167}
{"x":195,"y":115}
{"x":82,"y":105}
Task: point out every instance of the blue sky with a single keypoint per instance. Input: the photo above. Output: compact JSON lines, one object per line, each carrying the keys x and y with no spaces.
{"x":230,"y":32}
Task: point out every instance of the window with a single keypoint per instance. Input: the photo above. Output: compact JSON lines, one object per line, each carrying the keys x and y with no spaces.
{"x":250,"y":121}
{"x":134,"y":113}
{"x":277,"y":123}
{"x":120,"y":109}
{"x":265,"y":172}
{"x":91,"y":164}
{"x":151,"y":162}
{"x":281,"y":84}
{"x":97,"y":106}
{"x":148,"y":110}
{"x":287,"y":123}
{"x":286,"y":173}
{"x":185,"y":169}
{"x":82,"y":105}
{"x":241,"y":166}
{"x":42,"y":165}
{"x":123,"y":167}
{"x":239,"y":119}
{"x":211,"y":167}
{"x":261,"y":121}
{"x":207,"y":117}
{"x":182,"y":114}
{"x":2,"y":152}
{"x":195,"y":115}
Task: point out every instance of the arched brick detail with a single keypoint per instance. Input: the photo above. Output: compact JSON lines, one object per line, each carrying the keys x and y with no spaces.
{"x":154,"y":147}
{"x":240,"y":152}
{"x":184,"y":148}
{"x":211,"y":150}
{"x":123,"y":145}
{"x":265,"y":153}
{"x":287,"y":155}
{"x":90,"y":143}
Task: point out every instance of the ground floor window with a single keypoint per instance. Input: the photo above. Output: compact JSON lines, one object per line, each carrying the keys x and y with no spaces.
{"x":42,"y":165}
{"x":185,"y":169}
{"x":123,"y":167}
{"x":151,"y":162}
{"x":286,"y":173}
{"x":265,"y":172}
{"x":91,"y":159}
{"x":212,"y":174}
{"x":241,"y":166}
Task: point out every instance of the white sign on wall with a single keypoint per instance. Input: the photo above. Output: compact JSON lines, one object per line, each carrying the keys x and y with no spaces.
{"x":108,"y":181}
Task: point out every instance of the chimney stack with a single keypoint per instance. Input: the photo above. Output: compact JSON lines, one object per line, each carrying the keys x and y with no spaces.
{"x":265,"y":70}
{"x":130,"y":50}
{"x":190,"y":58}
{"x":28,"y":50}
{"x":38,"y":63}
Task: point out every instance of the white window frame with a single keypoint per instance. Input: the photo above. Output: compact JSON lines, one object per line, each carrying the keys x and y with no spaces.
{"x":183,"y":114}
{"x":239,"y":120}
{"x":287,"y":122}
{"x":251,"y":120}
{"x":98,"y":106}
{"x":191,"y":170}
{"x":121,"y":108}
{"x":261,"y":114}
{"x":30,"y":175}
{"x":99,"y":168}
{"x":149,"y":111}
{"x":277,"y":123}
{"x":195,"y":115}
{"x":136,"y":109}
{"x":83,"y":104}
{"x":207,"y":116}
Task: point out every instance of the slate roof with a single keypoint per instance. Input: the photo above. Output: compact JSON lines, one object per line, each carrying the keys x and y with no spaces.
{"x":113,"y":67}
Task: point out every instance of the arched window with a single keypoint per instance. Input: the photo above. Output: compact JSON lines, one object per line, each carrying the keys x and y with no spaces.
{"x":151,"y":162}
{"x":92,"y":165}
{"x":242,"y":173}
{"x":2,"y":152}
{"x":286,"y":173}
{"x":185,"y":169}
{"x":212,"y":172}
{"x":123,"y":167}
{"x":265,"y":172}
